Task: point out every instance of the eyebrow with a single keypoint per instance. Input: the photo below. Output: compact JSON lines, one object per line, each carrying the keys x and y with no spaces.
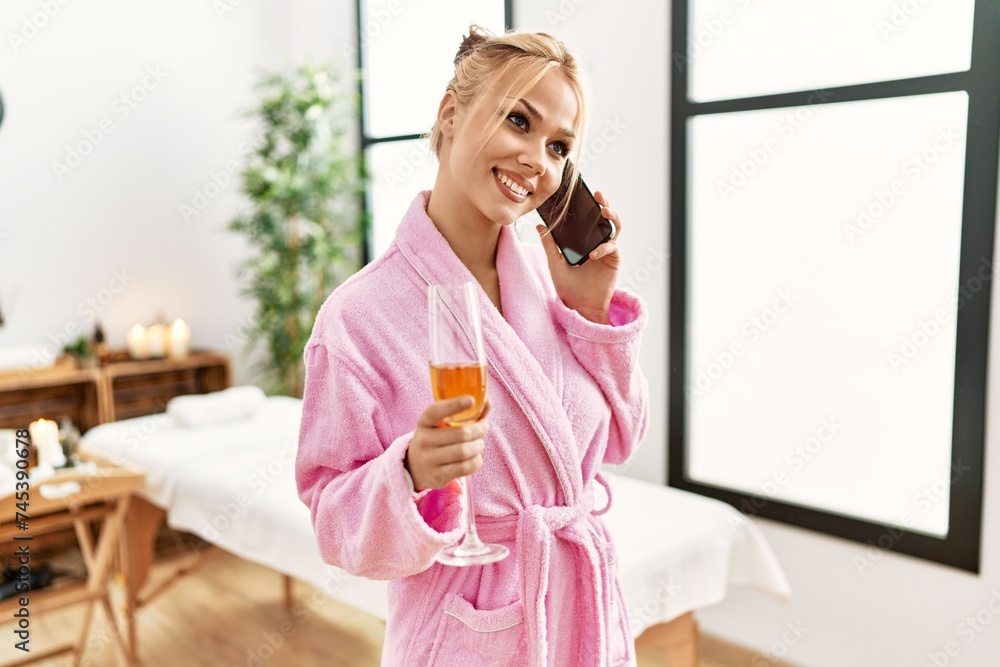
{"x":534,"y":112}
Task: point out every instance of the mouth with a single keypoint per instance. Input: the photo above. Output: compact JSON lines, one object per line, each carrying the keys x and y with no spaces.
{"x":511,"y":188}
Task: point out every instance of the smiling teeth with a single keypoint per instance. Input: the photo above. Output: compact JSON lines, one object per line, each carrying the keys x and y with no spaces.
{"x":512,"y":185}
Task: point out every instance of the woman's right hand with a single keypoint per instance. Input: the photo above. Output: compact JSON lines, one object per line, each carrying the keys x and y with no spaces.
{"x":439,"y":453}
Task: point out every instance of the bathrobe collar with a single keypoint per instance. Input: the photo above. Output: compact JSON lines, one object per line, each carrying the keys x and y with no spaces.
{"x":521,"y":346}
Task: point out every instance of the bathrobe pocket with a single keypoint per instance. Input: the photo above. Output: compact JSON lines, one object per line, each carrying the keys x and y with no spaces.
{"x":469,"y":636}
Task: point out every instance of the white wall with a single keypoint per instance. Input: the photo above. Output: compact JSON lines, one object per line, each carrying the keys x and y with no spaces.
{"x":901,"y":609}
{"x":62,"y":240}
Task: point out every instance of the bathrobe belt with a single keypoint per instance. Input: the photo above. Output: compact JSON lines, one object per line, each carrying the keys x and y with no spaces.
{"x":535,"y":529}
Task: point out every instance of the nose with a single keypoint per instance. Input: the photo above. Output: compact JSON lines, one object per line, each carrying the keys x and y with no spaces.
{"x":533,"y":157}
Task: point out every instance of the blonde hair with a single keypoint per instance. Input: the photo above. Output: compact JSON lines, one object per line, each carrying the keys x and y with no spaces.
{"x":485,"y":59}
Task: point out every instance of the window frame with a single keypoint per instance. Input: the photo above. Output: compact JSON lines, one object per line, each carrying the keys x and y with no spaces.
{"x":962,"y":546}
{"x":366,"y":140}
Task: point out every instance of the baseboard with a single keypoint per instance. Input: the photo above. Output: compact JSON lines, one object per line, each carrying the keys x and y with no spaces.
{"x":722,"y":652}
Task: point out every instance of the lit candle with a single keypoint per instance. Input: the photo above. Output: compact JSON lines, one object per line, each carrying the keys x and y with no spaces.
{"x":45,"y":438}
{"x":180,"y":335}
{"x":138,"y":342}
{"x":155,"y":336}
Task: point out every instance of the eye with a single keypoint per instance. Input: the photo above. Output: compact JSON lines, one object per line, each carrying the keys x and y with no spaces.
{"x":521,"y":117}
{"x":522,"y":122}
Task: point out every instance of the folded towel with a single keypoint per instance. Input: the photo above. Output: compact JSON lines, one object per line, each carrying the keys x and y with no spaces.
{"x":232,"y":403}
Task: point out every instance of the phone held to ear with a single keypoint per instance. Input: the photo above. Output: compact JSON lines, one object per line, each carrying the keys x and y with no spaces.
{"x":583,"y":228}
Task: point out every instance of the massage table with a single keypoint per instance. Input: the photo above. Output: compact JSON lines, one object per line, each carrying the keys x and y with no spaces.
{"x":232,"y":484}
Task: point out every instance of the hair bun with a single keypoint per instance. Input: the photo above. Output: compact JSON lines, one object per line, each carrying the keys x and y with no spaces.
{"x":476,"y":36}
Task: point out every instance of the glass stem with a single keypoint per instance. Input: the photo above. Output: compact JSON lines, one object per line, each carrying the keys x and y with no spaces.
{"x":471,"y":540}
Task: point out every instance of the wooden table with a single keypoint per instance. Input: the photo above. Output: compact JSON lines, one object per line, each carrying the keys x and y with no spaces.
{"x":103,"y":496}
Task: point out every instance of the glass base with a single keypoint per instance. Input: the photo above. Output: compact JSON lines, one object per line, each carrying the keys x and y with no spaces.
{"x":480,"y":554}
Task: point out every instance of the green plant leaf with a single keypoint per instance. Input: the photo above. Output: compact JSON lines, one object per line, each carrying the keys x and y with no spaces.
{"x":303,"y":184}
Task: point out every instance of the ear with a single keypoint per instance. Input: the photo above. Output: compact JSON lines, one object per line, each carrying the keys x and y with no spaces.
{"x":447,"y":113}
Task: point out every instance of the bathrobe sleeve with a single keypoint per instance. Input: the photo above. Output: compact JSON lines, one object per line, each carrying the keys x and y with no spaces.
{"x":610,"y":354}
{"x":349,"y":473}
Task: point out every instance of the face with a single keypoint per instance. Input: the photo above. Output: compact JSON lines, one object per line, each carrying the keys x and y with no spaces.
{"x":521,"y":165}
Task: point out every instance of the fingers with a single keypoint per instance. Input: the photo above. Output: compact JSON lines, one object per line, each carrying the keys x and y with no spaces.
{"x":604,"y":250}
{"x":451,"y":459}
{"x":437,"y":453}
{"x":441,"y":437}
{"x":608,"y":212}
{"x":437,"y":434}
{"x":438,"y":410}
{"x":457,"y":454}
{"x":439,"y":466}
{"x":611,"y":246}
{"x":462,"y":468}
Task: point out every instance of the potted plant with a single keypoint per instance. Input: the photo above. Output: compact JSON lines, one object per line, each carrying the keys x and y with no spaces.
{"x":81,"y":352}
{"x":305,"y":219}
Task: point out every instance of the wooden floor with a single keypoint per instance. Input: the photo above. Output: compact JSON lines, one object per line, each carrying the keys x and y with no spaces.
{"x":231,"y":614}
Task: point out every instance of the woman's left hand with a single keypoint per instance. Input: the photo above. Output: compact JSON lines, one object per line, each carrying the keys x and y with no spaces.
{"x":587,"y":288}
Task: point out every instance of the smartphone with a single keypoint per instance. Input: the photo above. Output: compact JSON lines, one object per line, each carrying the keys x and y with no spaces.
{"x":583,"y":228}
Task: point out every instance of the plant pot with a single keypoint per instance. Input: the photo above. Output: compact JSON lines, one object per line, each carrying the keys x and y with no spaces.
{"x":85,"y":362}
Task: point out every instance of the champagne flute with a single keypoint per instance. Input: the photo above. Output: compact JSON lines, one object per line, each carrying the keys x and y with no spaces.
{"x":458,"y":368}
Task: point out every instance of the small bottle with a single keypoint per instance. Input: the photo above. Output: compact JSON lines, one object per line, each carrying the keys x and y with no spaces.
{"x":69,"y":437}
{"x":100,"y":345}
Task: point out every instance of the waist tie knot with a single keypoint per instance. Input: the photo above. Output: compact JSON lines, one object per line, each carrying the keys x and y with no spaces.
{"x":559,"y":516}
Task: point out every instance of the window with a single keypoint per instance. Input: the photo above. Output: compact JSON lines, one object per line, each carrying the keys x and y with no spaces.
{"x":406,"y":60}
{"x":833,"y":207}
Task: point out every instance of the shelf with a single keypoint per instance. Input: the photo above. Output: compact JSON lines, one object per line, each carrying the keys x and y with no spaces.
{"x":121,"y":389}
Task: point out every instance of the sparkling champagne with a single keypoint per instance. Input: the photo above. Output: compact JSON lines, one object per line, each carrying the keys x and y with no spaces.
{"x":449,"y":381}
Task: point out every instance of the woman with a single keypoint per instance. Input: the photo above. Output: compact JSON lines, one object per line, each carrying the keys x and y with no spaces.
{"x":375,"y":464}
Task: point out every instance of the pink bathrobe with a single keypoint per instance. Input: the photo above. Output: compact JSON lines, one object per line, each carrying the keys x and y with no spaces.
{"x":567,"y":395}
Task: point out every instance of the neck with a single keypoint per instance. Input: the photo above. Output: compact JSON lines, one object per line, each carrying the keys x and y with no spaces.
{"x":472,"y":236}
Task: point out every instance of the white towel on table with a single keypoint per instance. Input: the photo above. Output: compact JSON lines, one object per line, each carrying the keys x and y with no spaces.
{"x":232,"y":403}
